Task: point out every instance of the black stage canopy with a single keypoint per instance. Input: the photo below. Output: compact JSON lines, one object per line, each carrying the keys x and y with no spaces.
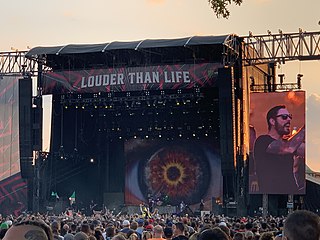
{"x":133,"y":45}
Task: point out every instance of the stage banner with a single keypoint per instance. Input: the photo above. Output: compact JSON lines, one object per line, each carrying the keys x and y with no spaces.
{"x":277,"y":143}
{"x":131,"y":78}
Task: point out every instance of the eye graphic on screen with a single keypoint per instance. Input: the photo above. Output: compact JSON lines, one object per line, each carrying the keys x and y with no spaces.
{"x":175,"y":172}
{"x":171,"y":171}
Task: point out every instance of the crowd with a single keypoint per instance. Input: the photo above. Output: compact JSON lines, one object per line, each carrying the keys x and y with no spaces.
{"x":299,"y":225}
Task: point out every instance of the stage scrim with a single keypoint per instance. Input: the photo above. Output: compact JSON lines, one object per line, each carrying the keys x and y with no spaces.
{"x":13,"y":189}
{"x":9,"y":125}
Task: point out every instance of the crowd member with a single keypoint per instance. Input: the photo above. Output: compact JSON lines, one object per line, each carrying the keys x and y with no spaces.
{"x":81,"y":236}
{"x":98,"y":234}
{"x":173,"y":227}
{"x":109,"y":233}
{"x":85,"y":228}
{"x":168,"y":233}
{"x":157,"y":233}
{"x":68,"y":236}
{"x":302,"y":225}
{"x":119,"y":237}
{"x":146,"y":235}
{"x":238,"y":236}
{"x":125,"y":226}
{"x":213,"y":234}
{"x":179,"y":231}
{"x":29,"y":230}
{"x":248,"y":235}
{"x":267,"y":236}
{"x":55,"y":227}
{"x":140,"y":227}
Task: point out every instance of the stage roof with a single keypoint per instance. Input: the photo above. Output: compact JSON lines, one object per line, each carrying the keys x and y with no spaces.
{"x":134,"y":45}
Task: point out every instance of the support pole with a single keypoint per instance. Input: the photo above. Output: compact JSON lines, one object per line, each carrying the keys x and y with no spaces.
{"x":265,"y":205}
{"x":38,"y":147}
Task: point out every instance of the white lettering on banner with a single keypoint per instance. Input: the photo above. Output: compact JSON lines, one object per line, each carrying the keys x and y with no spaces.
{"x":113,"y":79}
{"x":134,"y":78}
{"x":143,"y":77}
{"x":104,"y":80}
{"x":139,"y":77}
{"x":177,"y":77}
{"x":98,"y":80}
{"x":186,"y":77}
{"x":155,"y":77}
{"x":91,"y":81}
{"x":131,"y":77}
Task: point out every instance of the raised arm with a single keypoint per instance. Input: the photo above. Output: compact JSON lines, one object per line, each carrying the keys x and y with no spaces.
{"x":290,"y":145}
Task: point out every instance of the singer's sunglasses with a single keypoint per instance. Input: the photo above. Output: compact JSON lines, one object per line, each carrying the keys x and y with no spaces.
{"x":285,"y":116}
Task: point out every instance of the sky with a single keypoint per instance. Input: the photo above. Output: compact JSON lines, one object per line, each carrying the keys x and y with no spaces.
{"x":27,"y":24}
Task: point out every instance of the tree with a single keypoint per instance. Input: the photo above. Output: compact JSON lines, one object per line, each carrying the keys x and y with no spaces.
{"x":220,"y":7}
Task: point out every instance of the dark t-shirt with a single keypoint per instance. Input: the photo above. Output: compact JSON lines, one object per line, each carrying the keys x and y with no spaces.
{"x":274,"y":171}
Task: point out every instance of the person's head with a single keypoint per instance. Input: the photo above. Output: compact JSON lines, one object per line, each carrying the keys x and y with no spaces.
{"x":81,"y":236}
{"x":267,"y":236}
{"x":157,"y":231}
{"x":134,"y":225}
{"x":132,"y":235}
{"x":302,"y":225}
{"x":118,"y":237}
{"x":179,"y":229}
{"x":248,"y":235}
{"x":55,"y":226}
{"x":125,"y":224}
{"x":29,"y":230}
{"x":110,"y":231}
{"x":279,"y":119}
{"x":146,"y":235}
{"x":194,"y":236}
{"x":213,"y":234}
{"x":68,"y":236}
{"x":168,"y":232}
{"x":86,"y":229}
{"x":238,"y":236}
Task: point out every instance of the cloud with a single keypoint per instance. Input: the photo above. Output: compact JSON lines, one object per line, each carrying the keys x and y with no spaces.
{"x":313,"y":132}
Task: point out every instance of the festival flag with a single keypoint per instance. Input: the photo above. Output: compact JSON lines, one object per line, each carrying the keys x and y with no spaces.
{"x":73,"y":196}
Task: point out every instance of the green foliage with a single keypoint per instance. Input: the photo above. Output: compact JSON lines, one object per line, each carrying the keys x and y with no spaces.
{"x":220,"y":7}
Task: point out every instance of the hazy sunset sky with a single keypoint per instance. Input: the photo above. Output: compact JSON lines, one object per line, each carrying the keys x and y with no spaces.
{"x":47,"y":23}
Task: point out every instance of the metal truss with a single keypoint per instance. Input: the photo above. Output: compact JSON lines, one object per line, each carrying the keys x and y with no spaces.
{"x":281,"y":47}
{"x":231,"y":50}
{"x":259,"y":49}
{"x":16,"y":63}
{"x":275,"y":87}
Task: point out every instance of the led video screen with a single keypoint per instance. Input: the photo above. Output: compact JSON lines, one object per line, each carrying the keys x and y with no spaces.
{"x":171,"y":172}
{"x":277,"y":143}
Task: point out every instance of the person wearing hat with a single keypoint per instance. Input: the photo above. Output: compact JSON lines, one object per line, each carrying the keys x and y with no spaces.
{"x":4,"y":225}
{"x":140,"y":228}
{"x":125,"y":226}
